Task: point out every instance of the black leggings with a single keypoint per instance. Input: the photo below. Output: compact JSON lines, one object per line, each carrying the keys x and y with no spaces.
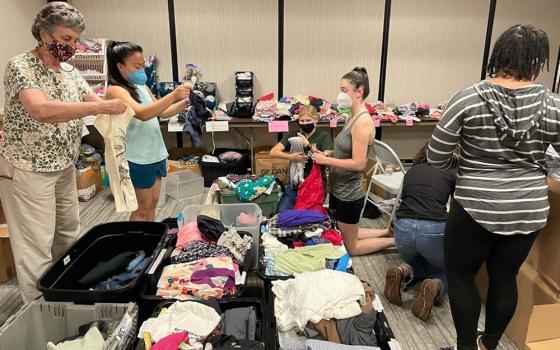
{"x":466,"y":246}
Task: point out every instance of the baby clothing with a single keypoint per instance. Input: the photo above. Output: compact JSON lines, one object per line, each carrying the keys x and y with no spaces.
{"x":296,"y":168}
{"x":238,"y":245}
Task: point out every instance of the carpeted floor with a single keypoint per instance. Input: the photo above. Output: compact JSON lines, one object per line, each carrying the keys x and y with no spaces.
{"x":411,"y":333}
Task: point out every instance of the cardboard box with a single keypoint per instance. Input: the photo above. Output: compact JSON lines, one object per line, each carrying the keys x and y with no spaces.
{"x":533,"y":290}
{"x":175,"y":165}
{"x":86,"y":182}
{"x":266,"y":165}
{"x":7,"y":265}
{"x":96,"y":167}
{"x":544,"y":332}
{"x":366,"y":178}
{"x":176,"y":153}
{"x":544,"y":255}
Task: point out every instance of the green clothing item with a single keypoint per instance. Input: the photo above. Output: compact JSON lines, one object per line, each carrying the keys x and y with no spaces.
{"x":93,"y":340}
{"x":306,"y":259}
{"x":321,"y":139}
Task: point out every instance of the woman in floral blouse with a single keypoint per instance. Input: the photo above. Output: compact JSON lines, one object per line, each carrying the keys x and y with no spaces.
{"x":45,"y":99}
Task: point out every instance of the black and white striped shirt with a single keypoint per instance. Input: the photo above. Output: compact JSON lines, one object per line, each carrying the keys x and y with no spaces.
{"x":502,"y":135}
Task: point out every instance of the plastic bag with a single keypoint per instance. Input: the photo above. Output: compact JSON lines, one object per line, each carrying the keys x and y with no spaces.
{"x":311,"y":194}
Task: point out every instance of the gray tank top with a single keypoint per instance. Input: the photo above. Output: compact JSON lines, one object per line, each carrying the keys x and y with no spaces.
{"x":346,"y":184}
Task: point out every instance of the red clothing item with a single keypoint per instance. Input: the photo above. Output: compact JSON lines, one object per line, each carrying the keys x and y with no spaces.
{"x":311,"y":195}
{"x":332,"y":236}
{"x":299,"y":244}
{"x":266,"y":97}
{"x":370,"y":109}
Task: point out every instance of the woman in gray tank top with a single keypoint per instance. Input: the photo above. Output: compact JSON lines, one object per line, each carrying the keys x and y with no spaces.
{"x":352,"y":147}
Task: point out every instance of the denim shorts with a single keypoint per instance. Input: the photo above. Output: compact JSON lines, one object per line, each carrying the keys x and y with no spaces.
{"x":144,"y":176}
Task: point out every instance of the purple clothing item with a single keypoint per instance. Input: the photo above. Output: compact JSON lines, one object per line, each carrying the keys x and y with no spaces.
{"x":205,"y":277}
{"x":294,"y":218}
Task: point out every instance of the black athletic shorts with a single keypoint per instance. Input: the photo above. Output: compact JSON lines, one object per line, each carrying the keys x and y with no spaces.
{"x":346,"y":212}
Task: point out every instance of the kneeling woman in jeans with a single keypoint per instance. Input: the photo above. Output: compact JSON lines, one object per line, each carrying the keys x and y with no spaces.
{"x":419,"y":229}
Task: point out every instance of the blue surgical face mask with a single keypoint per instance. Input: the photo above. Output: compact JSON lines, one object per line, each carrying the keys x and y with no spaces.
{"x":138,"y":77}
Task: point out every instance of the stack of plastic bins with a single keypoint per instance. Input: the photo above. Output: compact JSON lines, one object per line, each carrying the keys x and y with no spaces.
{"x":40,"y":322}
{"x":148,"y":298}
{"x":229,"y":215}
{"x":101,"y":243}
{"x":243,"y":217}
{"x":184,"y":184}
{"x":263,"y":331}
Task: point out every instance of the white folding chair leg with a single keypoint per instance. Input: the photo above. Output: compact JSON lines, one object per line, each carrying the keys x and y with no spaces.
{"x":366,"y":199}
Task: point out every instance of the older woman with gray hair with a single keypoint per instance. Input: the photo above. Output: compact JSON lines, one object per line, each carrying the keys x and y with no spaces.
{"x":45,"y":99}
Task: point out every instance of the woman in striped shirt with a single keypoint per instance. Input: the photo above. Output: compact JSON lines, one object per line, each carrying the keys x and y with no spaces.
{"x":502,"y":127}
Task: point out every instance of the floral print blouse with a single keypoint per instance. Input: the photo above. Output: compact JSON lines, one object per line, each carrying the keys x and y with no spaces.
{"x":31,"y":145}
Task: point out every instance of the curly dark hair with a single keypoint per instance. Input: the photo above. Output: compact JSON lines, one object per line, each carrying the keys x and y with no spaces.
{"x":521,"y":52}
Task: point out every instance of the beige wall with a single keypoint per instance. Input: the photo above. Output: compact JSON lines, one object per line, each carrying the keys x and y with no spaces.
{"x":225,"y":36}
{"x":324,"y":39}
{"x":15,"y":36}
{"x":435,"y":48}
{"x":544,"y":14}
{"x":145,"y":22}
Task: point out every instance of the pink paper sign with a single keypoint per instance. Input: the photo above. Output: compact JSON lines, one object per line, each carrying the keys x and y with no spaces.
{"x":278,"y":126}
{"x":409,"y":122}
{"x":334,"y":122}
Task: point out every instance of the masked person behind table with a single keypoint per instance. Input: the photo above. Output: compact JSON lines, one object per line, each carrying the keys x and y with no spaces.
{"x":313,"y":140}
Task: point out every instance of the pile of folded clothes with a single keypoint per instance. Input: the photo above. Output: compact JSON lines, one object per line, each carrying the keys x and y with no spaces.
{"x":247,"y":187}
{"x":325,"y":310}
{"x":298,"y":241}
{"x":88,"y":46}
{"x":325,"y":109}
{"x":194,"y":326}
{"x":224,"y":158}
{"x":116,"y":272}
{"x":206,"y":261}
{"x":269,"y":109}
{"x":437,"y":113}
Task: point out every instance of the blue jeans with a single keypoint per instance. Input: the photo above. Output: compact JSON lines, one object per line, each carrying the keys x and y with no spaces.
{"x":420,"y":243}
{"x":288,"y":199}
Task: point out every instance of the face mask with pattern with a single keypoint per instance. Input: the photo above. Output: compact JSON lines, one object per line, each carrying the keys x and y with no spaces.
{"x":61,"y":52}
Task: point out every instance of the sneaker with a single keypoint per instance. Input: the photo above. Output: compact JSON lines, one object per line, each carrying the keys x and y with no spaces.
{"x":422,"y":306}
{"x":479,"y":335}
{"x":393,"y":285}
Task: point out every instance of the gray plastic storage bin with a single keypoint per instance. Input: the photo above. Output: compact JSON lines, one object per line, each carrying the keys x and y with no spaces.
{"x":184,"y":184}
{"x":40,"y":322}
{"x":228,"y":214}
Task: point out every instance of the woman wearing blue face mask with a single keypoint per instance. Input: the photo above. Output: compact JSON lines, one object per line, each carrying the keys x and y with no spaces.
{"x":352,"y":147}
{"x":145,"y":150}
